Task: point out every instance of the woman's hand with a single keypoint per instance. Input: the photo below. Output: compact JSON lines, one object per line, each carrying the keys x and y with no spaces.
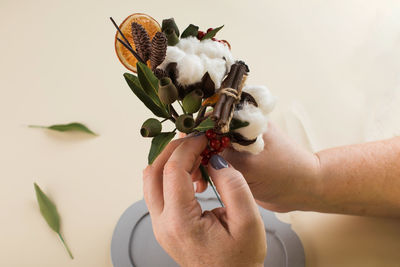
{"x":283,"y":177}
{"x":230,"y":236}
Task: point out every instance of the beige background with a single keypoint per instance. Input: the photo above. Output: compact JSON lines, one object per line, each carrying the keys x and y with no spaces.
{"x":333,"y":64}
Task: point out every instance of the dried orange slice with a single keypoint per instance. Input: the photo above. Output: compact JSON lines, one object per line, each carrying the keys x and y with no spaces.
{"x":124,"y":55}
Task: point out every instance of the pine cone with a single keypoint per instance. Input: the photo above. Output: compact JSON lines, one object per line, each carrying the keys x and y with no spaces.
{"x":141,"y":40}
{"x":158,"y":49}
{"x":159,"y":73}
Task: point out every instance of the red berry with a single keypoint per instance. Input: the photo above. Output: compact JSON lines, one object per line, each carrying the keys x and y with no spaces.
{"x":204,"y":161}
{"x":214,"y":39}
{"x":200,"y":35}
{"x":215,"y":144}
{"x":225,"y":141}
{"x":212,"y":153}
{"x":220,"y":149}
{"x":205,"y":152}
{"x":210,"y":134}
{"x":210,"y":29}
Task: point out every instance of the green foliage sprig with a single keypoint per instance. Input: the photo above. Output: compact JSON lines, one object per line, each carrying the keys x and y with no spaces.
{"x":50,"y":214}
{"x":70,"y":127}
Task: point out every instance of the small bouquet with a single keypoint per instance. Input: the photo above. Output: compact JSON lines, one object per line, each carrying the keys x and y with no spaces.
{"x":194,"y":72}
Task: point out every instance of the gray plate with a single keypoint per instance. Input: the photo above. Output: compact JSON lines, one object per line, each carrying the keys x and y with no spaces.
{"x":134,"y":245}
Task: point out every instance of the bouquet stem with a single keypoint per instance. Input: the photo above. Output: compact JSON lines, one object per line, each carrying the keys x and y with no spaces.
{"x":207,"y":178}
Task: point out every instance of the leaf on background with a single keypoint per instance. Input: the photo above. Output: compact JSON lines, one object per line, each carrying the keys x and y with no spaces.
{"x":48,"y":209}
{"x":212,"y":33}
{"x":236,"y":124}
{"x":158,"y":144}
{"x":70,"y":127}
{"x":137,"y":89}
{"x":148,"y":81}
{"x":50,"y":214}
{"x":205,"y":125}
{"x":191,"y":30}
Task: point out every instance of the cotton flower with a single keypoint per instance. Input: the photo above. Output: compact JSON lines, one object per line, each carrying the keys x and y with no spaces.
{"x":254,"y":148}
{"x":194,"y":58}
{"x":256,"y":117}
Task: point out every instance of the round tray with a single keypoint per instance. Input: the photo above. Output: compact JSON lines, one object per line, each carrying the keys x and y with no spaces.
{"x":134,"y":245}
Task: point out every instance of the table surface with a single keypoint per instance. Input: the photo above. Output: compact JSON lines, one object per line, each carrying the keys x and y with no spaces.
{"x":333,"y":65}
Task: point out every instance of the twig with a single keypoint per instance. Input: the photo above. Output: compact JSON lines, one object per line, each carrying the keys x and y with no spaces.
{"x":131,"y":50}
{"x":127,"y":44}
{"x":120,"y":32}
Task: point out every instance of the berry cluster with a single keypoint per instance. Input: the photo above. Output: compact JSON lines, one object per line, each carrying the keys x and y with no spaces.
{"x":216,"y":144}
{"x":201,"y":34}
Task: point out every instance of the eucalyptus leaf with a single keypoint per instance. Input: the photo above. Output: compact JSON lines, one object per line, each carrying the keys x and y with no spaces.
{"x":48,"y":209}
{"x":70,"y":127}
{"x":236,"y":124}
{"x":158,"y":144}
{"x":205,"y":125}
{"x":148,"y":81}
{"x":191,"y":30}
{"x":137,"y":89}
{"x":50,"y":214}
{"x":212,"y":33}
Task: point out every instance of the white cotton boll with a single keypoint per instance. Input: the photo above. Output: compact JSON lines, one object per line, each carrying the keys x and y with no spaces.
{"x":265,"y":100}
{"x":254,"y":148}
{"x":174,"y":54}
{"x":256,"y":119}
{"x":216,"y":68}
{"x":190,"y":69}
{"x":189,"y":45}
{"x":190,"y":53}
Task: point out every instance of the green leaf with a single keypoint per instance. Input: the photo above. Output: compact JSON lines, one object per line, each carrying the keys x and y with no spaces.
{"x":48,"y":209}
{"x":212,"y":33}
{"x":205,"y":125}
{"x":148,"y":81}
{"x":158,"y":144}
{"x":191,"y":30}
{"x":50,"y":214}
{"x":137,"y":89}
{"x":70,"y":127}
{"x":236,"y":124}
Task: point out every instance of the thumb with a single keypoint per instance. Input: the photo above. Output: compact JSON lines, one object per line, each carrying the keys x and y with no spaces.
{"x":232,"y":187}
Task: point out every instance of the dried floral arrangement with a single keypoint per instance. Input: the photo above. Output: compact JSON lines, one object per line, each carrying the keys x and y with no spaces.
{"x":194,"y":72}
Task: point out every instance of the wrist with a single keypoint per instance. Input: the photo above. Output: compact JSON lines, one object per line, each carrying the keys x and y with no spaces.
{"x":312,"y":187}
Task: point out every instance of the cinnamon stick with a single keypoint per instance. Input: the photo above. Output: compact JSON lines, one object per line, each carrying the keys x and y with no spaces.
{"x":226,"y":112}
{"x":225,"y":84}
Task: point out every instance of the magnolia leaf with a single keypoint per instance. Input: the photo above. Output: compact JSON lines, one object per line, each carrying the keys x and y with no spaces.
{"x":50,"y":214}
{"x":158,"y":144}
{"x":212,"y":33}
{"x":205,"y":125}
{"x":236,"y":124}
{"x":70,"y":127}
{"x":137,"y":89}
{"x":191,"y":30}
{"x":148,"y":81}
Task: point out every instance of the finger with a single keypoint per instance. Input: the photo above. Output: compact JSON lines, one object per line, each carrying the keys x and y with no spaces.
{"x":153,"y":179}
{"x":233,"y":188}
{"x":201,"y":186}
{"x":177,"y":182}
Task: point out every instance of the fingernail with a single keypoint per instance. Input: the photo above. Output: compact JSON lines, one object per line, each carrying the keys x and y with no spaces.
{"x":218,"y":162}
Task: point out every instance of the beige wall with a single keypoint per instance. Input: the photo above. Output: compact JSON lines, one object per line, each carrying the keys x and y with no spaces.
{"x":329,"y":62}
